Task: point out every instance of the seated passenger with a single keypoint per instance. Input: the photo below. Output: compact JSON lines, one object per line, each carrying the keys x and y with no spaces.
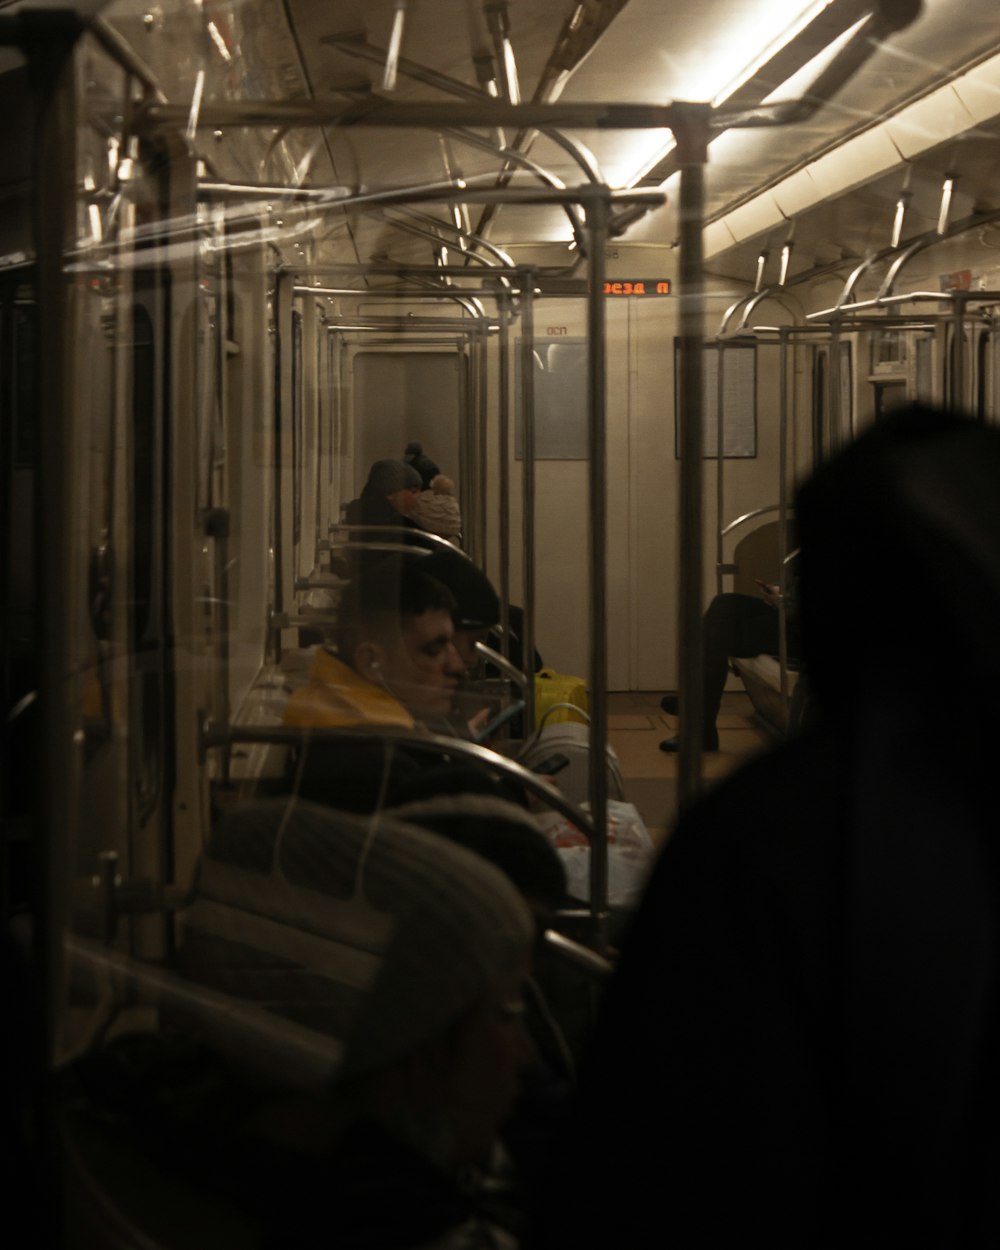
{"x":395,"y":1156}
{"x":396,"y":661}
{"x":388,"y":496}
{"x":374,"y":1050}
{"x":735,"y":625}
{"x":396,"y":665}
{"x":508,"y":836}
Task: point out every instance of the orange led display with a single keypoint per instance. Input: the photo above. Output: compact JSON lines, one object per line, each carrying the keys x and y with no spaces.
{"x":637,"y":286}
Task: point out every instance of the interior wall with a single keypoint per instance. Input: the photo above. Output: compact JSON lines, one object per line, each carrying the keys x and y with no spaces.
{"x":405,"y":396}
{"x":643,"y":497}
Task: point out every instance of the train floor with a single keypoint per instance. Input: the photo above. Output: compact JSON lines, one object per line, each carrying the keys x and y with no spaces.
{"x":637,"y":725}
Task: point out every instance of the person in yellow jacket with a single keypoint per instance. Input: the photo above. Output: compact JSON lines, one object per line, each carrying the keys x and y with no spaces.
{"x":397,"y":661}
{"x":396,"y":665}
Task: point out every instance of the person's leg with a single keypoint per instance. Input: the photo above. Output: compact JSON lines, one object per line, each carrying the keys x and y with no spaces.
{"x":733,"y":625}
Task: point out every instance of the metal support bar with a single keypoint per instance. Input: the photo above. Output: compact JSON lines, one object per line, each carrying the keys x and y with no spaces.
{"x":956,"y":400}
{"x":783,"y":518}
{"x":528,"y":487}
{"x":503,"y":461}
{"x":579,"y":956}
{"x":423,"y":540}
{"x":833,"y":404}
{"x":720,"y":448}
{"x":212,"y":737}
{"x":511,"y":155}
{"x":355,"y":44}
{"x":59,"y":742}
{"x":499,"y":661}
{"x":216,"y":526}
{"x":482,"y":413}
{"x":692,"y":152}
{"x":456,"y":294}
{"x":468,"y":451}
{"x":597,"y":227}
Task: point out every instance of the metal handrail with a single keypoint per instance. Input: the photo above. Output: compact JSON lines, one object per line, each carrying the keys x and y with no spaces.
{"x":749,"y":516}
{"x":503,"y":664}
{"x":422,"y":538}
{"x":570,"y":707}
{"x":579,"y":956}
{"x":213,"y":737}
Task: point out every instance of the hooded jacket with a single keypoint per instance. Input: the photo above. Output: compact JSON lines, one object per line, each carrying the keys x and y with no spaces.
{"x":336,"y":697}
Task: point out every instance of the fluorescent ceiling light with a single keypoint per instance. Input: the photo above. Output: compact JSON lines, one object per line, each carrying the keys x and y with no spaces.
{"x":664,"y":146}
{"x":771,"y":49}
{"x":799,"y":82}
{"x":775,"y":24}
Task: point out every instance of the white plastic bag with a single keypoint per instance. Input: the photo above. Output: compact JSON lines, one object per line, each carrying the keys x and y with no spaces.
{"x":630,"y":853}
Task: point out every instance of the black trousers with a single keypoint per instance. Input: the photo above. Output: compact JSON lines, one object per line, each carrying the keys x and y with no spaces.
{"x":737,"y":625}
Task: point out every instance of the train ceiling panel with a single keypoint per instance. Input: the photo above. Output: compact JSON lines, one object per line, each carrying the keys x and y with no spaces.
{"x":641,"y":51}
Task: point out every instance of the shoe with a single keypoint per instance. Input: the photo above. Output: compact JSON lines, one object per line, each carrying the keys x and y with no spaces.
{"x":673,"y":745}
{"x":670,"y":703}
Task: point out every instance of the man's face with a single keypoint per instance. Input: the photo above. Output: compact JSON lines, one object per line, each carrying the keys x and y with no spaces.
{"x":421,"y":665}
{"x":404,"y":500}
{"x":488,"y":1053}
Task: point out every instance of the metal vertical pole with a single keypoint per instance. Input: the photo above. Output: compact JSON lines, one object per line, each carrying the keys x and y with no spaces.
{"x":467,"y":445}
{"x":956,"y":400}
{"x":60,"y":739}
{"x":503,"y":460}
{"x":528,"y":486}
{"x":216,"y":524}
{"x":597,"y":228}
{"x":833,"y":405}
{"x":720,"y":459}
{"x":692,"y":148}
{"x":783,"y":512}
{"x":482,"y":545}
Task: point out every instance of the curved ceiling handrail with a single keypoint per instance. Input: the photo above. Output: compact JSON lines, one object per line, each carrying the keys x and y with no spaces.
{"x":749,"y":516}
{"x":501,"y":256}
{"x":757,"y":298}
{"x":579,"y":152}
{"x":444,"y":290}
{"x":524,"y":160}
{"x":903,"y":259}
{"x":731,"y":312}
{"x":856,"y":274}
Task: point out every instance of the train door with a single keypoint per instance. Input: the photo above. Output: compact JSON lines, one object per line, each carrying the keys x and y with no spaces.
{"x":402,"y":396}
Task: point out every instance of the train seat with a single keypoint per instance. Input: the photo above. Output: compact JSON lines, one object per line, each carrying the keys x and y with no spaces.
{"x":758,"y":556}
{"x":274,"y":918}
{"x":761,"y":676}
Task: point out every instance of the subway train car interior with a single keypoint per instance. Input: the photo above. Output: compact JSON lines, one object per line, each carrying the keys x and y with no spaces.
{"x":387,"y":388}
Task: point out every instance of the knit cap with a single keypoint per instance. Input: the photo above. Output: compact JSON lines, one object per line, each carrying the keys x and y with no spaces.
{"x":385,"y":477}
{"x":424,"y":465}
